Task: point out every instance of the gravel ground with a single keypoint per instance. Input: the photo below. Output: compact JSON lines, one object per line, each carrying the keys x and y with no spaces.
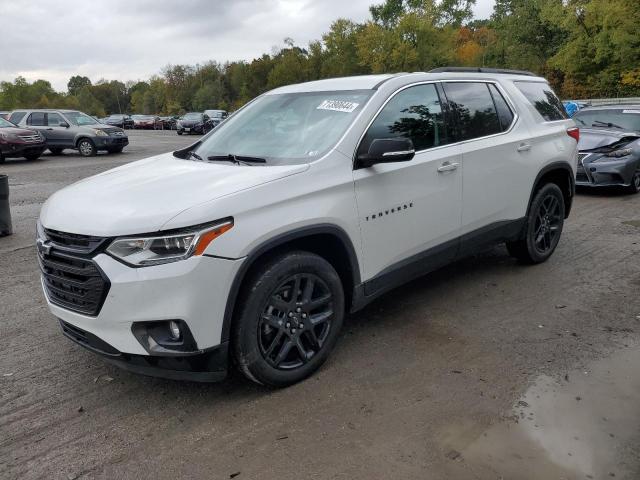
{"x":433,"y":380}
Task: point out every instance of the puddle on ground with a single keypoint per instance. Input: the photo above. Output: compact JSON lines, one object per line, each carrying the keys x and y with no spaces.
{"x":585,"y":425}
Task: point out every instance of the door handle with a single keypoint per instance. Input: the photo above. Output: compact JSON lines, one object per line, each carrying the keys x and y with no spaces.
{"x":448,"y":167}
{"x":524,"y":147}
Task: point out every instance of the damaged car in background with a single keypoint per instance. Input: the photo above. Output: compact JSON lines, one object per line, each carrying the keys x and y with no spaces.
{"x":609,"y":147}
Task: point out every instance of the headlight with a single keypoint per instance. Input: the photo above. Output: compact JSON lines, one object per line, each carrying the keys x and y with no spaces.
{"x":619,"y":153}
{"x":40,"y":233}
{"x":8,"y":136}
{"x":101,"y":133}
{"x":156,"y":250}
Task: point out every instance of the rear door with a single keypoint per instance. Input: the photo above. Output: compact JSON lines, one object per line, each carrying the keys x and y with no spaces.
{"x":410,"y":209}
{"x":495,"y":150}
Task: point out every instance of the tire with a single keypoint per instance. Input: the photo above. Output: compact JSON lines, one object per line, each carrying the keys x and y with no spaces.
{"x":87,"y":148}
{"x":115,"y":150}
{"x":635,"y":183}
{"x":543,"y":229}
{"x":179,"y":132}
{"x":55,"y":151}
{"x":273,"y":340}
{"x":1,"y":158}
{"x":33,"y":156}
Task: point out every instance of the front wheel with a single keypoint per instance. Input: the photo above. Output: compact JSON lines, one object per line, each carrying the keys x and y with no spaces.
{"x":635,"y":183}
{"x":87,"y":148}
{"x":543,"y":226}
{"x":291,"y":312}
{"x":34,"y":155}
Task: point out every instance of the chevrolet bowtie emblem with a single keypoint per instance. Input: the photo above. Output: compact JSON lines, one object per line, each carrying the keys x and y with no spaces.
{"x":44,"y":247}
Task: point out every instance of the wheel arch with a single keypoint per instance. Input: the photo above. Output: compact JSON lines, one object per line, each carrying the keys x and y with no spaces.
{"x":561,"y":174}
{"x":84,"y":137}
{"x":329,"y":241}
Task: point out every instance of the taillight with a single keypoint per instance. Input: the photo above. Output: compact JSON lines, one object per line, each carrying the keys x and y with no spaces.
{"x":574,"y":133}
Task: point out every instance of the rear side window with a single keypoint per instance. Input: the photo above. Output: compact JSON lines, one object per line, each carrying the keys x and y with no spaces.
{"x":473,"y":106}
{"x":37,"y":119}
{"x":16,"y":117}
{"x":414,"y":113}
{"x":543,"y":99}
{"x":505,"y":115}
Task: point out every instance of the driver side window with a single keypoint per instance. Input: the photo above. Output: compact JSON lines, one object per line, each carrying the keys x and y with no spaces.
{"x":413,"y":113}
{"x":54,"y":120}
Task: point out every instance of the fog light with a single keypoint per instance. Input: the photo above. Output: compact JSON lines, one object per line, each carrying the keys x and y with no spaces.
{"x":174,"y":330}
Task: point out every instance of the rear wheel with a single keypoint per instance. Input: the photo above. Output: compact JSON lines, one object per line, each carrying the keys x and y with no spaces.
{"x":290,"y":316}
{"x":543,"y":227}
{"x":87,"y":148}
{"x":635,"y":183}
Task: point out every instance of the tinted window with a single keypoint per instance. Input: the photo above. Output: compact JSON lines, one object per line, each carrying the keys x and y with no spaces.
{"x":542,"y":97}
{"x":505,"y":115}
{"x":16,"y":117}
{"x":614,"y":118}
{"x":36,"y":119}
{"x":413,"y":113}
{"x":54,"y":119}
{"x":473,"y":105}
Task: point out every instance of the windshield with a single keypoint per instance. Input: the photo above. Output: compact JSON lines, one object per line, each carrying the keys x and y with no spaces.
{"x":614,"y":118}
{"x":79,"y":119}
{"x":115,"y":117}
{"x":286,"y":127}
{"x":5,"y":123}
{"x":192,"y":116}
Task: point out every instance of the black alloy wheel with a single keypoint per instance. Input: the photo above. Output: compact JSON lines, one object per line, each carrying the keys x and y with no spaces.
{"x":290,"y":314}
{"x":295,"y":321}
{"x":543,"y":228}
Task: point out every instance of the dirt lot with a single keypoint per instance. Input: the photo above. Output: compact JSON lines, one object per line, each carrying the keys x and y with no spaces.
{"x":485,"y":369}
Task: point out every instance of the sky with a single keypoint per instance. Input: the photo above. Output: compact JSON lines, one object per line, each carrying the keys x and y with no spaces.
{"x":134,"y":39}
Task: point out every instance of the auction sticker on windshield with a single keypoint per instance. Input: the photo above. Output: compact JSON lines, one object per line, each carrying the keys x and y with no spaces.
{"x":338,"y":106}
{"x":631,"y":111}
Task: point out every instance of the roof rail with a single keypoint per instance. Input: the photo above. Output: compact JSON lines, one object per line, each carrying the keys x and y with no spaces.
{"x":481,"y":70}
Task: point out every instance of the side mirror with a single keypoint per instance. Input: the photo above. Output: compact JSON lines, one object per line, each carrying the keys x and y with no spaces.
{"x":63,"y":124}
{"x":387,"y":150}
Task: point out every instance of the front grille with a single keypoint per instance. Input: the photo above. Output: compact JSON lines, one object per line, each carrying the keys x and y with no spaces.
{"x":582,"y":156}
{"x":31,"y":138}
{"x":116,"y":133}
{"x":70,"y":277}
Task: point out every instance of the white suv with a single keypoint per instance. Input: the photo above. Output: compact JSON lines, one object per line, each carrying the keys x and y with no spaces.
{"x":251,"y":245}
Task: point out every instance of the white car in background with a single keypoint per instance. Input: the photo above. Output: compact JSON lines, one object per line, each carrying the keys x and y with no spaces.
{"x":251,"y":245}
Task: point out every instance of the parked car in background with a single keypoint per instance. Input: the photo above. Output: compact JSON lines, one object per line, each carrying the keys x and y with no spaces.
{"x":307,"y":204}
{"x":168,"y":123}
{"x":609,"y":147}
{"x":609,"y":158}
{"x":119,"y":120}
{"x":18,"y":142}
{"x":4,"y":115}
{"x":194,"y":122}
{"x":146,"y":122}
{"x":72,"y":129}
{"x":216,"y":116}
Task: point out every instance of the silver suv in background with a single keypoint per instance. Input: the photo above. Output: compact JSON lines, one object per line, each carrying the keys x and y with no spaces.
{"x":72,"y":129}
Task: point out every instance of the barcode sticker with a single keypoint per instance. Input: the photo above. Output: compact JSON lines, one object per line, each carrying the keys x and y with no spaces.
{"x":338,"y":106}
{"x":631,"y":111}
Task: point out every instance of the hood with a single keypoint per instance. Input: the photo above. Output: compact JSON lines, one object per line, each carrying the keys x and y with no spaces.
{"x":17,"y":131}
{"x":591,"y":139}
{"x":142,"y":196}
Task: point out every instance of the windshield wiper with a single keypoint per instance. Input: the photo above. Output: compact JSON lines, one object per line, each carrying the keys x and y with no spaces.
{"x":598,"y":123}
{"x":237,"y":159}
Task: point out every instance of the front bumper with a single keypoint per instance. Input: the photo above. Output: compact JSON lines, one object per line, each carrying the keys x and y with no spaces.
{"x":617,"y":173}
{"x":110,"y":142}
{"x":12,"y":150}
{"x":208,"y":366}
{"x":193,"y":291}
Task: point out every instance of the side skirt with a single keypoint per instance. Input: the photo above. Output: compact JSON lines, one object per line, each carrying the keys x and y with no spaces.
{"x":435,"y":258}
